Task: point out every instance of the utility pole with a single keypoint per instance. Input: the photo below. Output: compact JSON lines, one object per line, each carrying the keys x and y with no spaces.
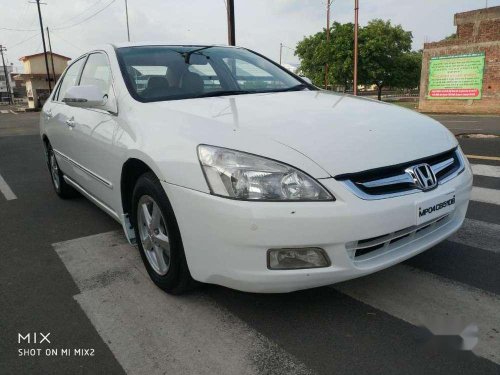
{"x":51,"y":57}
{"x":281,"y":51}
{"x":7,"y":83}
{"x":328,"y":4}
{"x":126,"y":15}
{"x":231,"y":37}
{"x":355,"y":83}
{"x":43,"y":42}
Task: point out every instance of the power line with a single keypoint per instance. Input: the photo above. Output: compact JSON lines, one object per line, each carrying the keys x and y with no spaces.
{"x":67,"y":42}
{"x":79,"y":14}
{"x":21,"y":15}
{"x":23,"y":41}
{"x":85,"y":19}
{"x":9,"y":29}
{"x":21,"y":30}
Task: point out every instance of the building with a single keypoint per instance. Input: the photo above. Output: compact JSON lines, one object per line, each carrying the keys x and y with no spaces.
{"x":4,"y":94}
{"x":461,"y":74}
{"x":35,"y":79}
{"x":18,"y":88}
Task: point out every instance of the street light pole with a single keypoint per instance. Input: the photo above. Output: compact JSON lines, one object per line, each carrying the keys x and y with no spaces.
{"x":231,"y":37}
{"x":7,"y":83}
{"x":126,"y":15}
{"x":355,"y":83}
{"x":281,"y":51}
{"x":43,"y":42}
{"x":328,"y":4}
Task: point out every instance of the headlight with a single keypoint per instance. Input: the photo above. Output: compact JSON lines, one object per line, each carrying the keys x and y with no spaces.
{"x":239,"y":175}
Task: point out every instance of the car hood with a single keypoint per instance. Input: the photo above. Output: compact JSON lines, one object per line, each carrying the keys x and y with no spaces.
{"x":340,"y":133}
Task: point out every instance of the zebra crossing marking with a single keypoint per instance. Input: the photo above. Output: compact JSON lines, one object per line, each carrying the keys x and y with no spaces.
{"x":416,"y":296}
{"x":176,"y":335}
{"x":486,"y":170}
{"x":485,"y":195}
{"x":478,"y":234}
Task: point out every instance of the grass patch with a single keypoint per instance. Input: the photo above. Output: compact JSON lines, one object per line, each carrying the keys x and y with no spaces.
{"x":409,"y":105}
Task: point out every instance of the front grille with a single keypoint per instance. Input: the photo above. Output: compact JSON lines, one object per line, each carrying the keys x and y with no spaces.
{"x":394,"y":180}
{"x":367,"y":248}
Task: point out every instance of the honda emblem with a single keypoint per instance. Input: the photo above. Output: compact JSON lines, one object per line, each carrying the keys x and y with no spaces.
{"x":423,"y":177}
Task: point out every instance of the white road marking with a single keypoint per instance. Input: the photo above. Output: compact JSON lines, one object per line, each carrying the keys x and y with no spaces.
{"x":151,"y":332}
{"x":416,"y":296}
{"x":486,"y":170}
{"x":6,"y":190}
{"x":485,"y":195}
{"x":14,"y":113}
{"x":4,"y":111}
{"x":479,"y":234}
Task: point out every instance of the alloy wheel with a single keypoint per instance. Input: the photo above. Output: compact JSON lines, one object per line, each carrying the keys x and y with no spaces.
{"x":153,"y":234}
{"x":54,"y":170}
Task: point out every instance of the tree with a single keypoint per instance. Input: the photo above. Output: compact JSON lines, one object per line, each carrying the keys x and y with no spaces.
{"x":312,"y":57}
{"x":314,"y":53}
{"x":407,"y":74}
{"x":342,"y":54}
{"x":381,"y":50}
{"x":385,"y":56}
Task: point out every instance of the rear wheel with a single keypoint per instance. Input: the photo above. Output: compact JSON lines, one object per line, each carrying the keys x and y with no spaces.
{"x":62,"y":188}
{"x":158,"y":235}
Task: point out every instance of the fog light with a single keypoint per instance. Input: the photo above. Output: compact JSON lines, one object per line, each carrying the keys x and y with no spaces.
{"x":287,"y":259}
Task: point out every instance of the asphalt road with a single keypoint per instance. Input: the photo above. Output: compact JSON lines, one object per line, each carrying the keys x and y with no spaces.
{"x":466,"y":124}
{"x":65,"y":269}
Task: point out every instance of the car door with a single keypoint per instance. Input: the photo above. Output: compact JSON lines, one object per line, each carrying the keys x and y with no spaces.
{"x":57,"y":114}
{"x":95,"y":163}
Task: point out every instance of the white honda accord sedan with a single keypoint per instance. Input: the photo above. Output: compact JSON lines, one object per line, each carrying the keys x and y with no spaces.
{"x":225,"y":168}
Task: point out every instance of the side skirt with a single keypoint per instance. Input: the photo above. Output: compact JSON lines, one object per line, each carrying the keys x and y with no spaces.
{"x":124,"y":220}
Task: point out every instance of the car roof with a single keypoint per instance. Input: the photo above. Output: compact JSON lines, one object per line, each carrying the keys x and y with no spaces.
{"x":139,"y":44}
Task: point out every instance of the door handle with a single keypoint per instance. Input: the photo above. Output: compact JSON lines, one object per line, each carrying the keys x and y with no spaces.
{"x":48,"y":113}
{"x":70,"y":123}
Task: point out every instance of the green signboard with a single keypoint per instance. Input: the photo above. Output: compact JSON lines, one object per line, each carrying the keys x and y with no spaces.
{"x":456,"y":77}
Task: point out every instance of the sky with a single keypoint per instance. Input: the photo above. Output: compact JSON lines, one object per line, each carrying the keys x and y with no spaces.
{"x":261,"y":25}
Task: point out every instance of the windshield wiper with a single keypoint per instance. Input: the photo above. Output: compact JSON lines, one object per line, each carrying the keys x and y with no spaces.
{"x":298,"y":87}
{"x":222,"y":93}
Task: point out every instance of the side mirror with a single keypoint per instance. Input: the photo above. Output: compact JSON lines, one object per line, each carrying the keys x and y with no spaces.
{"x":86,"y":96}
{"x":308,"y":80}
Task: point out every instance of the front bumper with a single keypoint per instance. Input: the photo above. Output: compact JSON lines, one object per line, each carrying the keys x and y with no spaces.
{"x":226,"y":240}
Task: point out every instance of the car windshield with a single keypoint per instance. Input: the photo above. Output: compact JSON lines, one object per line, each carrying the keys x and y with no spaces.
{"x":154,"y":73}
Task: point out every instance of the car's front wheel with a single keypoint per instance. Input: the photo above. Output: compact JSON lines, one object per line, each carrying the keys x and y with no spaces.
{"x":158,"y":236}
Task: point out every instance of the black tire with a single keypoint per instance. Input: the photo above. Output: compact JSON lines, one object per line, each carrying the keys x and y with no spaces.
{"x":61,"y":187}
{"x":177,"y":279}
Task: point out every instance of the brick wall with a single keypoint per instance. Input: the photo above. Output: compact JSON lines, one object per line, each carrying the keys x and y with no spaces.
{"x":477,"y":31}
